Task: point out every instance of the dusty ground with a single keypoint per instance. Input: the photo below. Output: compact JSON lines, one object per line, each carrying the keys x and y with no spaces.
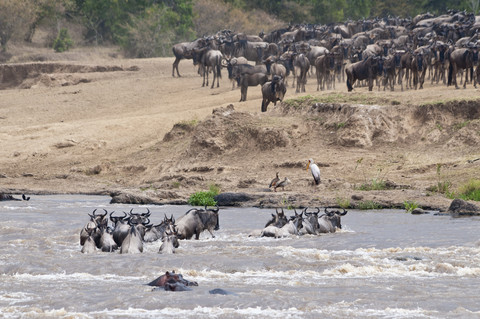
{"x":98,"y":124}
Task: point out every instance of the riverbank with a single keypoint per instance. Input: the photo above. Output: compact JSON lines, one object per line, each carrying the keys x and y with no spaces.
{"x":126,"y":128}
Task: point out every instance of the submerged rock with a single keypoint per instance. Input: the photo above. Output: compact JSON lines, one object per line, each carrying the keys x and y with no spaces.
{"x":459,"y":208}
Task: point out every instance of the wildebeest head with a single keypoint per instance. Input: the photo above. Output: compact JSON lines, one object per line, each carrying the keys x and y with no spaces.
{"x":215,"y":212}
{"x":419,"y":61}
{"x":297,"y":220}
{"x":278,"y":220}
{"x":116,"y":219}
{"x":334,"y":217}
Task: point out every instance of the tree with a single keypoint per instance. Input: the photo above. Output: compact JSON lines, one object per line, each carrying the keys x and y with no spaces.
{"x":15,"y":17}
{"x":150,"y":34}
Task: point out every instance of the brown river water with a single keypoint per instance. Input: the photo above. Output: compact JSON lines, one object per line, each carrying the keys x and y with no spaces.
{"x":382,"y":264}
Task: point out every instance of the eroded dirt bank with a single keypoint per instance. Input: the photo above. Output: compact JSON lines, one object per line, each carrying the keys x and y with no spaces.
{"x":131,"y":130}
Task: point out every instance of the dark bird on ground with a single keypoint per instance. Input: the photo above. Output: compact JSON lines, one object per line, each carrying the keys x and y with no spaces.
{"x":274,"y":181}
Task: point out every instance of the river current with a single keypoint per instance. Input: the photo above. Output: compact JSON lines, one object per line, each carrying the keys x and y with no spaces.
{"x":382,"y":264}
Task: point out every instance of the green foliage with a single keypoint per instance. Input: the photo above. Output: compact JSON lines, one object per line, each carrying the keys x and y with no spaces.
{"x":470,"y":190}
{"x":368,"y":204}
{"x":343,"y":202}
{"x":373,"y":185}
{"x":63,"y":42}
{"x":121,"y":21}
{"x":15,"y":17}
{"x":443,"y":185}
{"x":205,"y":198}
{"x":150,"y":34}
{"x":410,"y":206}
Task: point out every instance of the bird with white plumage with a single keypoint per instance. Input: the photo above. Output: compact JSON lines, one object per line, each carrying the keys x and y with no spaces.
{"x":314,"y":170}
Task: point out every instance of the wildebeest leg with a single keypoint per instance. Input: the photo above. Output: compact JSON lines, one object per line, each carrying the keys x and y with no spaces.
{"x":400,"y":81}
{"x":265,"y":103}
{"x":211,"y":232}
{"x":319,"y":79}
{"x":243,"y":93}
{"x":422,"y":78}
{"x":175,"y":66}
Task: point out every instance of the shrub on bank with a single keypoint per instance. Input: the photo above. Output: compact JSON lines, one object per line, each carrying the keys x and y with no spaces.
{"x":205,"y":198}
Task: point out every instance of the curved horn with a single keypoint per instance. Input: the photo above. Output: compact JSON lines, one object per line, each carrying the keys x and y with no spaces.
{"x":145,"y":223}
{"x":104,"y":214}
{"x":94,"y":212}
{"x":147,"y":214}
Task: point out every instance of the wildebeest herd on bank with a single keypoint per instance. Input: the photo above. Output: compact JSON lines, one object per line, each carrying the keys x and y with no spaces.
{"x":387,"y":51}
{"x":127,"y":232}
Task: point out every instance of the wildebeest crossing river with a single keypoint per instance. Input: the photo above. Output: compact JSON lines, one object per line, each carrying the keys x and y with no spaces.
{"x":381,"y":264}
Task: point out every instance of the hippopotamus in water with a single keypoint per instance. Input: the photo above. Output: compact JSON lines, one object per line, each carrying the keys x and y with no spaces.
{"x":171,"y":281}
{"x":220,"y":291}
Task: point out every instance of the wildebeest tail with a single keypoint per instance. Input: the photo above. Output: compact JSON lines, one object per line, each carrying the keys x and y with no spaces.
{"x":471,"y":74}
{"x":449,"y":77}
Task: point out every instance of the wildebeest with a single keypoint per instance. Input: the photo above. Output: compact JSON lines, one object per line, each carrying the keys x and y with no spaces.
{"x":107,"y":243}
{"x":291,"y":228}
{"x":6,"y":197}
{"x":120,"y":227}
{"x":230,"y":63}
{"x":389,"y":72}
{"x":461,"y":59}
{"x":195,"y":221}
{"x":278,"y":220}
{"x":252,"y":51}
{"x":273,"y":91}
{"x":96,"y":221}
{"x":184,"y":50}
{"x":169,"y":242}
{"x":245,"y":80}
{"x":330,"y":221}
{"x":89,"y":245}
{"x":209,"y":59}
{"x":418,"y":68}
{"x":301,"y":62}
{"x":325,"y":68}
{"x":133,"y":243}
{"x":362,"y":70}
{"x":310,"y":221}
{"x":155,"y":232}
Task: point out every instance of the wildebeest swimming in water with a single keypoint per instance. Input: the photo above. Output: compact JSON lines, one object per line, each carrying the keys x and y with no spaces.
{"x":7,"y":197}
{"x":171,"y":281}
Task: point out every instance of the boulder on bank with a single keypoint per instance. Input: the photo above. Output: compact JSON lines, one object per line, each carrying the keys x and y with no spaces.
{"x":232,"y":199}
{"x":459,"y":208}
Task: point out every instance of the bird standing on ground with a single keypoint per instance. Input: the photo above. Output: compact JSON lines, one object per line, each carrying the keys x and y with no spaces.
{"x":274,"y":181}
{"x":282,"y":184}
{"x":315,"y":171}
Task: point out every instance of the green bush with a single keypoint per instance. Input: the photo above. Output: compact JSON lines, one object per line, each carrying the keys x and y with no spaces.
{"x":368,"y":204}
{"x":470,"y":190}
{"x":205,"y":198}
{"x":410,"y":206}
{"x":343,"y":202}
{"x":63,"y":42}
{"x":373,"y":185}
